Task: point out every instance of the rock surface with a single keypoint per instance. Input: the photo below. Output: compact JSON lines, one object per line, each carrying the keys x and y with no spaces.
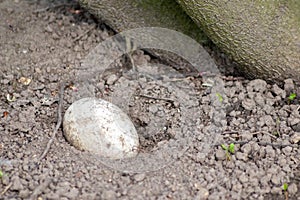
{"x":262,"y":36}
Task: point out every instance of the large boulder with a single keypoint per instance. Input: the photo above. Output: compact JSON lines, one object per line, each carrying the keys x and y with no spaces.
{"x":263,"y":37}
{"x":123,"y":15}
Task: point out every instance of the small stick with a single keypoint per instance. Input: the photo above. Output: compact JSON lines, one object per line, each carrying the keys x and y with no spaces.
{"x":59,"y":121}
{"x":7,"y":187}
{"x":255,"y":133}
{"x":264,"y":132}
{"x":232,"y":78}
{"x":286,"y":194}
{"x":278,"y":145}
{"x":287,"y":110}
{"x":229,"y":132}
{"x":84,"y":33}
{"x":156,"y":98}
{"x":277,"y":127}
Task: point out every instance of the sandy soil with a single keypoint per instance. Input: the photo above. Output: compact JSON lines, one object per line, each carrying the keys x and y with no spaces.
{"x":180,"y":125}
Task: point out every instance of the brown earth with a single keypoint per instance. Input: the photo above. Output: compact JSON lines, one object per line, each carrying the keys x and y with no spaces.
{"x":181,"y":128}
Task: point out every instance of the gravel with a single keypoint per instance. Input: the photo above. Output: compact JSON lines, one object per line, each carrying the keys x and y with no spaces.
{"x":180,"y":155}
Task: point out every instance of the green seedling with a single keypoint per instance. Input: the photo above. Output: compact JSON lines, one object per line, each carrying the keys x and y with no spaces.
{"x":1,"y":174}
{"x":292,"y":96}
{"x":285,"y":188}
{"x":231,"y":148}
{"x":220,"y":97}
{"x":228,"y":150}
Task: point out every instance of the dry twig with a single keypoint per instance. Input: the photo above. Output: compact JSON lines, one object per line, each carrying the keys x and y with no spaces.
{"x":156,"y":98}
{"x":7,"y":187}
{"x":255,"y":133}
{"x":264,"y":132}
{"x":59,"y":121}
{"x":84,"y":33}
{"x":275,"y":145}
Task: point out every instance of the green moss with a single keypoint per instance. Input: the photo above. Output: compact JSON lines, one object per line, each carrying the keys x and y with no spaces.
{"x":294,"y":7}
{"x":122,"y":15}
{"x":261,"y":36}
{"x":169,"y":14}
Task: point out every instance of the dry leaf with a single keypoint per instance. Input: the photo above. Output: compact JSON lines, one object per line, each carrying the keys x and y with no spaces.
{"x":25,"y":81}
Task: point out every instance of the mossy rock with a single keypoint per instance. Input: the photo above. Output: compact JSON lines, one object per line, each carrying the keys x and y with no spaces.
{"x":263,"y":37}
{"x":124,"y":15}
{"x":130,"y":14}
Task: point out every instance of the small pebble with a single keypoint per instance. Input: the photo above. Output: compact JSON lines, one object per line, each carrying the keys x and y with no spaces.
{"x":289,"y":85}
{"x":295,"y":138}
{"x":287,"y":150}
{"x":16,"y":184}
{"x":243,"y":178}
{"x":72,"y":194}
{"x":248,"y":104}
{"x":112,"y":79}
{"x":108,"y":195}
{"x":220,"y":154}
{"x":202,"y":193}
{"x":293,"y":189}
{"x":241,"y":156}
{"x":270,"y":152}
{"x":275,"y":179}
{"x":276,"y":190}
{"x":139,"y":177}
{"x":257,"y":85}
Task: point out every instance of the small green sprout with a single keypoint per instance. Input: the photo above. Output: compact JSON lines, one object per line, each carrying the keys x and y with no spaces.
{"x":231,"y":148}
{"x":220,"y":97}
{"x":292,"y":96}
{"x":228,"y":150}
{"x":285,"y":187}
{"x":1,"y":174}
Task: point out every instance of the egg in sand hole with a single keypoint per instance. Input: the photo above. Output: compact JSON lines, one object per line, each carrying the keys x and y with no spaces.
{"x":101,"y":128}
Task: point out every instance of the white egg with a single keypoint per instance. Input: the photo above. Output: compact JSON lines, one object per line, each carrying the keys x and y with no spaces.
{"x":100,"y":127}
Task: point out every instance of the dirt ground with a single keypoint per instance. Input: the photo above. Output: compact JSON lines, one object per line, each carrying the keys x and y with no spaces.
{"x":181,"y":129}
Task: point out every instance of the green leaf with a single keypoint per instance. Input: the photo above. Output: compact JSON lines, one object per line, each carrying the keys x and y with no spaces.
{"x":231,"y":148}
{"x":292,"y":96}
{"x":220,"y":97}
{"x":1,"y":174}
{"x":285,"y":186}
{"x":224,"y":147}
